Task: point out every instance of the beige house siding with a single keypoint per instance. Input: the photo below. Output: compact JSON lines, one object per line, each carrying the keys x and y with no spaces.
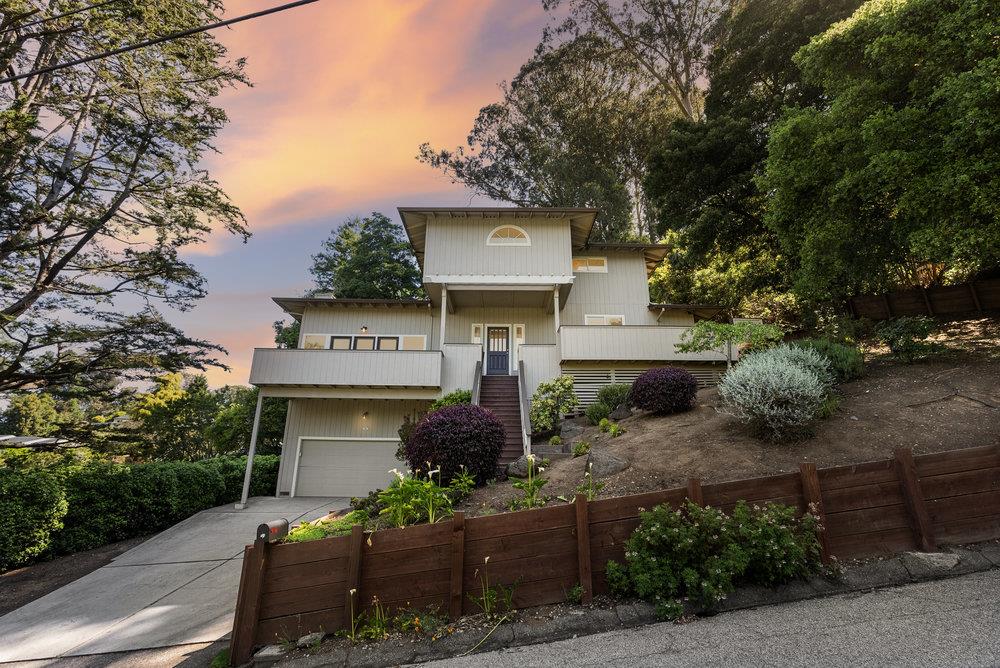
{"x":541,"y":363}
{"x":588,"y":378}
{"x":385,"y":321}
{"x":458,"y":248}
{"x":342,"y":418}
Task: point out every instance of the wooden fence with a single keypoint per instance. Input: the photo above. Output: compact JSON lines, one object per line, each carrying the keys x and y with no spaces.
{"x":904,"y":503}
{"x":976,"y":296}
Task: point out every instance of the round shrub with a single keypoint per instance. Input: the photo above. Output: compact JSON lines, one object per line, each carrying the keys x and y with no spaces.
{"x":457,"y":436}
{"x":452,"y":399}
{"x":100,"y":502}
{"x":775,"y":396}
{"x":613,"y":395}
{"x":664,"y":390}
{"x":597,"y":412}
{"x":32,"y":507}
{"x":200,"y":487}
{"x":846,"y":362}
{"x":807,"y":358}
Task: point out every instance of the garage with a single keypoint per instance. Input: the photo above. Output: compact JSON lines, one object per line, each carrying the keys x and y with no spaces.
{"x":343,"y":467}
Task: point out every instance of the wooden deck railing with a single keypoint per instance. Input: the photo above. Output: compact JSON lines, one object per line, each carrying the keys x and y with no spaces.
{"x":904,"y":503}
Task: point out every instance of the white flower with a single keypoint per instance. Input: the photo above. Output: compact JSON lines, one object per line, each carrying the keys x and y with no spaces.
{"x":531,"y":458}
{"x":541,"y":469}
{"x":434,"y":472}
{"x":486,"y":560}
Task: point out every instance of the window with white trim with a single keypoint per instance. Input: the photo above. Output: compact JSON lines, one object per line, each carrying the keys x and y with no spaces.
{"x":508,"y":235}
{"x":615,"y":320}
{"x":590,"y":264}
{"x":364,"y":342}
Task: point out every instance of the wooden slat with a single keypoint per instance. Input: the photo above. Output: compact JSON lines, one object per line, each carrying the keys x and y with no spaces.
{"x":293,"y":627}
{"x":457,"y":591}
{"x":920,"y":521}
{"x":534,"y":544}
{"x":813,"y":497}
{"x":583,"y":546}
{"x":521,"y":570}
{"x":754,"y":489}
{"x":867,"y":520}
{"x":960,"y":484}
{"x":694,"y":493}
{"x":301,"y":575}
{"x":971,"y":530}
{"x":966,"y":506}
{"x":352,"y":584}
{"x":954,"y":461}
{"x":405,"y":587}
{"x":887,"y":541}
{"x":255,"y":561}
{"x":304,"y":599}
{"x":603,"y":510}
{"x":415,"y":561}
{"x":856,"y":475}
{"x":873,"y":495}
{"x":514,"y":524}
{"x":289,"y":554}
{"x":424,"y":535}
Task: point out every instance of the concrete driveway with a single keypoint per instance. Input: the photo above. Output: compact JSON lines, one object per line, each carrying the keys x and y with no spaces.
{"x":177,"y":588}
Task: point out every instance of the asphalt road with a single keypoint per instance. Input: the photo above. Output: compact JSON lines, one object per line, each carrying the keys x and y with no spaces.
{"x":952,"y":622}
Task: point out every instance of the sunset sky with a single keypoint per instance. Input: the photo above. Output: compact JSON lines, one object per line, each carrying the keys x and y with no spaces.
{"x":344,"y":93}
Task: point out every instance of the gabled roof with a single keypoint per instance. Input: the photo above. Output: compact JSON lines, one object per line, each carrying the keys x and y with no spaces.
{"x":653,"y":254}
{"x":415,"y":219}
{"x":295,"y":305}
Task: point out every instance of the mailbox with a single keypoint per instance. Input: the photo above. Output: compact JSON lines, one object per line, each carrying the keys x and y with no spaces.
{"x":272,"y":531}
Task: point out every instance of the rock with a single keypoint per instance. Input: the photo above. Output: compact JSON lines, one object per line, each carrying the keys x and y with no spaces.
{"x":603,"y":464}
{"x":310,"y":639}
{"x":928,"y":564}
{"x":570,"y":430}
{"x":621,"y":412}
{"x":269,"y":654}
{"x":518,"y":468}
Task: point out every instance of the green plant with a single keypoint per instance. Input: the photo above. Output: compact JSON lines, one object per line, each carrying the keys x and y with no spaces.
{"x":220,"y":660}
{"x":604,"y":425}
{"x":426,"y":622}
{"x":530,"y":488}
{"x":32,"y":508}
{"x":613,"y":395}
{"x":555,"y":440}
{"x":829,"y":406}
{"x":906,"y":336}
{"x":664,"y":390}
{"x":458,"y":436}
{"x":708,"y":335}
{"x":493,"y":600}
{"x":410,"y":499}
{"x":596,"y":412}
{"x":370,"y":504}
{"x":846,"y":362}
{"x":581,"y":448}
{"x":805,"y":358}
{"x":434,"y":500}
{"x":589,"y":486}
{"x":574,"y":595}
{"x":339,"y":526}
{"x":453,"y":398}
{"x":615,"y":430}
{"x":375,"y":622}
{"x":553,"y":399}
{"x":700,"y":554}
{"x":461,"y":486}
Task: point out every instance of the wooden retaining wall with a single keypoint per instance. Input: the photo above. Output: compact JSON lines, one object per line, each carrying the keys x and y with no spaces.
{"x":976,"y":296}
{"x":904,"y":503}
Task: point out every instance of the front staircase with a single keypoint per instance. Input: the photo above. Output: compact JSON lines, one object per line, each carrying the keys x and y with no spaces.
{"x":499,"y":394}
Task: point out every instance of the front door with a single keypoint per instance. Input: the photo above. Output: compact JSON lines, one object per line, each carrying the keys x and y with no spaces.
{"x":497,"y":350}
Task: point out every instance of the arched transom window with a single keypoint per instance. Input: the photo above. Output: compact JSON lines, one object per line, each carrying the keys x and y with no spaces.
{"x":508,"y":235}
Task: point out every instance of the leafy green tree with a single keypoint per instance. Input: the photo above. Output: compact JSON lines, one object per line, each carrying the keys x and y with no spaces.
{"x":230,"y":430}
{"x":901,"y":164}
{"x":101,"y":192}
{"x":286,"y":335}
{"x":42,"y":414}
{"x":171,"y":421}
{"x":367,"y":258}
{"x":710,"y":335}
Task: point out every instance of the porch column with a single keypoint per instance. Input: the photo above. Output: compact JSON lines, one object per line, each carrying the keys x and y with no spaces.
{"x":253,"y":450}
{"x":444,"y":314}
{"x":555,"y":308}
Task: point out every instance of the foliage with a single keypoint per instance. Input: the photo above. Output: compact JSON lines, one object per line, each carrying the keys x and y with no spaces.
{"x":615,"y":430}
{"x":664,"y":390}
{"x":846,"y":362}
{"x":906,"y":336}
{"x":596,"y":412}
{"x":455,"y":437}
{"x":368,"y":258}
{"x":461,"y":486}
{"x":778,"y":398}
{"x":590,"y":487}
{"x":286,"y":336}
{"x":551,"y":400}
{"x":708,"y":335}
{"x":326,"y":528}
{"x":806,"y":358}
{"x":452,"y":399}
{"x":897,"y":168}
{"x":555,"y":440}
{"x":530,"y":488}
{"x":232,"y":425}
{"x":700,"y":554}
{"x":604,"y":425}
{"x":426,"y":622}
{"x":32,"y":508}
{"x":581,"y":448}
{"x":614,"y":395}
{"x":493,"y":600}
{"x":411,"y":499}
{"x":574,"y":595}
{"x":104,"y":192}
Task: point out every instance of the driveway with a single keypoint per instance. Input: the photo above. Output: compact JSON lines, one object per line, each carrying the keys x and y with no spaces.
{"x":177,"y":588}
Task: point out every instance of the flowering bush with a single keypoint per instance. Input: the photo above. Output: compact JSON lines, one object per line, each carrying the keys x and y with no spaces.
{"x":700,"y":555}
{"x":664,"y":390}
{"x":454,"y":437}
{"x":552,"y":400}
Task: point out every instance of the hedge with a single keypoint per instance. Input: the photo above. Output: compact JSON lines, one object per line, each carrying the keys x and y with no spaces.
{"x":85,"y":506}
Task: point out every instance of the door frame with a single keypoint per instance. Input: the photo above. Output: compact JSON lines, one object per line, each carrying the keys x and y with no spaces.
{"x":510,"y":344}
{"x":298,"y":451}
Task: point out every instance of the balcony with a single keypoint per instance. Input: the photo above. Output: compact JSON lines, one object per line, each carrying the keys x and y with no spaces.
{"x":629,"y":343}
{"x":393,"y":369}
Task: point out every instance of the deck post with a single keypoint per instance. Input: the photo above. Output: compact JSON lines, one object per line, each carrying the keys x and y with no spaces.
{"x":444,"y":315}
{"x":555,"y":308}
{"x":253,"y":451}
{"x":248,"y":601}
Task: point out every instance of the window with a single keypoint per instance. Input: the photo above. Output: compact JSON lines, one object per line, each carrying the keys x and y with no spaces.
{"x":364,"y":343}
{"x":314,"y":341}
{"x":340,"y":343}
{"x":388,"y":343}
{"x":477,"y":334}
{"x":413,"y":342}
{"x":508,"y":235}
{"x":590,"y":264}
{"x":615,"y":320}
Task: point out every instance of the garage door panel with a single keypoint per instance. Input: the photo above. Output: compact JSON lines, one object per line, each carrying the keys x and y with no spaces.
{"x":344,"y":468}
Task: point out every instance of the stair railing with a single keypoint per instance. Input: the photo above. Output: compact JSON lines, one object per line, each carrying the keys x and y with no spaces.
{"x":477,"y":381}
{"x":522,"y":395}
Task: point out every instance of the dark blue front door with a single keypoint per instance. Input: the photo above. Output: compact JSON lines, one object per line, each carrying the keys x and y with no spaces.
{"x":497,"y":350}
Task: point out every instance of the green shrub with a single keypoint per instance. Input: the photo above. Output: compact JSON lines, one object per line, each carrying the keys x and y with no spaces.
{"x":664,"y":390}
{"x":264,"y":479}
{"x":613,"y":395}
{"x":581,"y":448}
{"x":597,"y":412}
{"x":101,"y":504}
{"x":552,"y":400}
{"x":199,"y":487}
{"x":846,"y":362}
{"x":339,"y":526}
{"x":615,"y":430}
{"x":32,"y":508}
{"x":452,"y":399}
{"x":701,"y":554}
{"x":555,"y":440}
{"x":906,"y":336}
{"x":806,"y":358}
{"x":777,"y":398}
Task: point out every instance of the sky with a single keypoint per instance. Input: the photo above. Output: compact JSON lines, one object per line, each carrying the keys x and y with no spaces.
{"x":344,"y":92}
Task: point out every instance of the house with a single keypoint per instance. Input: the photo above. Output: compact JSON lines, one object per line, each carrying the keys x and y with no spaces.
{"x":516,"y":296}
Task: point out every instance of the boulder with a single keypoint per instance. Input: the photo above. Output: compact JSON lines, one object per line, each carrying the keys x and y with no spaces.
{"x":603,"y":464}
{"x":926,"y":565}
{"x":571,"y":429}
{"x":621,"y":412}
{"x":518,"y":468}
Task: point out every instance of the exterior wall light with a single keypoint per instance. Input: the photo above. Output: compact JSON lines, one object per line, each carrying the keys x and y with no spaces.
{"x":364,"y":329}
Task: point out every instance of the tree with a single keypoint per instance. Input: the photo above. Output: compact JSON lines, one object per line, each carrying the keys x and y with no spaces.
{"x":710,"y":335}
{"x":172,"y":420}
{"x":900,"y":164}
{"x":367,"y":258}
{"x":286,"y":335}
{"x":232,"y":425}
{"x":100,"y":192}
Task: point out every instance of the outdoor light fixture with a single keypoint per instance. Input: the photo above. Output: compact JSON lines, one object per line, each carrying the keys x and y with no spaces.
{"x":364,"y":329}
{"x":364,"y":416}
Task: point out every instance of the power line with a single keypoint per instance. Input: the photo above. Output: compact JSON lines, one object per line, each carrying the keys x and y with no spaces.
{"x":157,"y":40}
{"x":46,"y":19}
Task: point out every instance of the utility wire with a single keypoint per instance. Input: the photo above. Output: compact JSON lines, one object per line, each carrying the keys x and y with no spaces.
{"x":157,"y":40}
{"x":46,"y":19}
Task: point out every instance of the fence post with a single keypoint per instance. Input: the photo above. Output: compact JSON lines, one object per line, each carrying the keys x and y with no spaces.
{"x":457,"y":564}
{"x":813,"y":497}
{"x":694,"y":492}
{"x":975,"y":296}
{"x":888,"y":306}
{"x":583,"y":546}
{"x":913,"y":496}
{"x":927,"y":301}
{"x":248,"y":601}
{"x":353,"y":585}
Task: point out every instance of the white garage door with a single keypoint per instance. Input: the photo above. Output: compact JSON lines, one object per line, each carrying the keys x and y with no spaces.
{"x":344,"y":468}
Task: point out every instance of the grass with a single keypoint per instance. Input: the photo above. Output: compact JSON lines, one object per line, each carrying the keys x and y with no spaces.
{"x":340,"y":526}
{"x":220,"y":660}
